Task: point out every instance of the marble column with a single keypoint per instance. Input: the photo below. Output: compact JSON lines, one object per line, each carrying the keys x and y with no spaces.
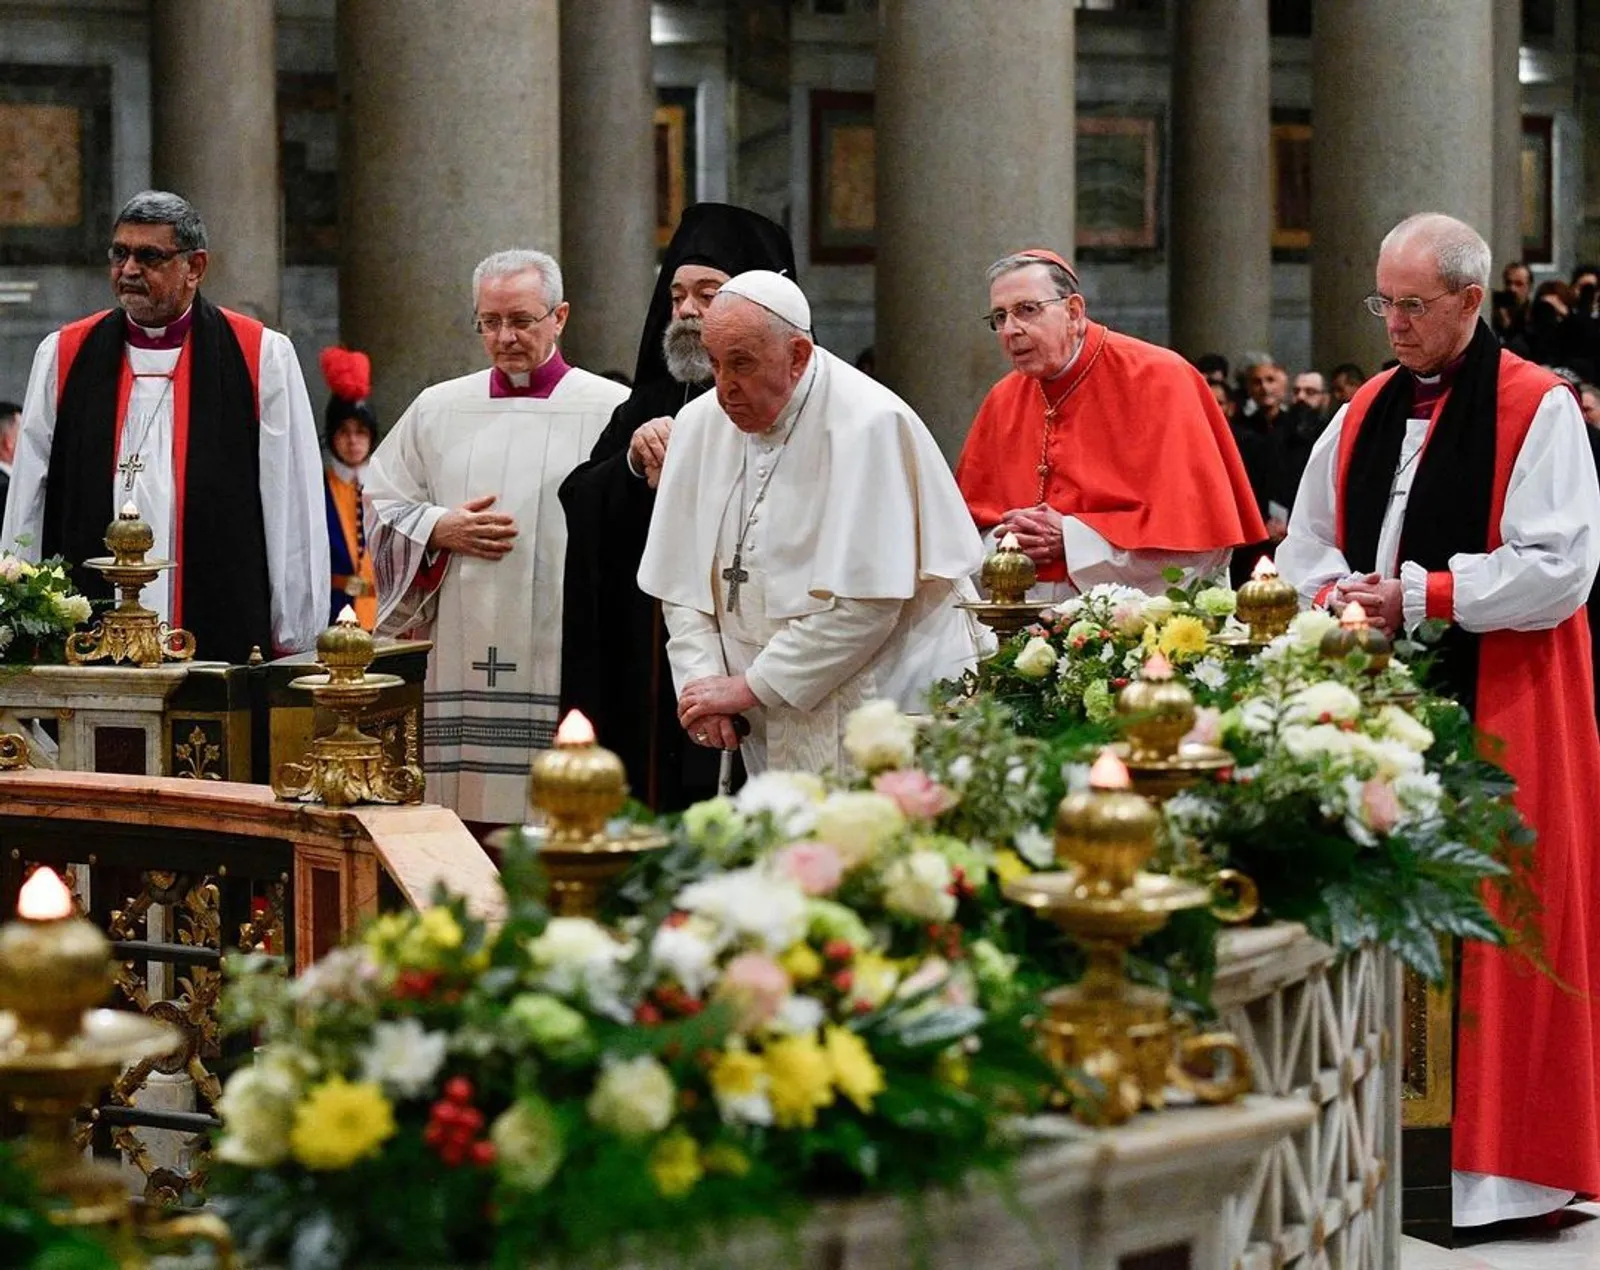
{"x":975,"y":154}
{"x":607,"y":192}
{"x":1221,"y":259}
{"x":1505,"y":242}
{"x":449,"y":150}
{"x":1387,"y":141}
{"x":214,"y":140}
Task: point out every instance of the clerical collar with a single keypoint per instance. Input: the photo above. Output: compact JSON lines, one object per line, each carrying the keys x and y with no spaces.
{"x":349,"y":475}
{"x":160,"y":337}
{"x":791,"y":408}
{"x":1427,"y":389}
{"x":540,"y":382}
{"x":1071,"y":362}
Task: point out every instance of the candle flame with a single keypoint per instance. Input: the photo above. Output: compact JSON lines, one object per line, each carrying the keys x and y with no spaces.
{"x":44,"y":898}
{"x":347,"y":616}
{"x":1010,"y":543}
{"x":1109,"y":772}
{"x":575,"y":729}
{"x":1264,"y":569}
{"x":1354,"y":616}
{"x":1157,"y":667}
{"x":129,"y":511}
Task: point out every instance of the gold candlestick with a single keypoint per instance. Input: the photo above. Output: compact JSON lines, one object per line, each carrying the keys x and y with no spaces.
{"x":56,"y":1050}
{"x":347,"y":766}
{"x":1355,"y":633}
{"x":1158,"y":711}
{"x":1266,"y":603}
{"x":1117,"y":1033}
{"x":1008,"y":575}
{"x":130,"y":632}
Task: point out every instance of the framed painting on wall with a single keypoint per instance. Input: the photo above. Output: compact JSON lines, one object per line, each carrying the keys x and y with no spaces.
{"x":1119,"y":182}
{"x":1537,"y":165}
{"x":55,"y":164}
{"x":844,"y":178}
{"x":675,"y":159}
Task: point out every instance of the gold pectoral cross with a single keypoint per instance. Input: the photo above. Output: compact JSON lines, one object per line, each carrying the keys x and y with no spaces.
{"x":734,"y":576}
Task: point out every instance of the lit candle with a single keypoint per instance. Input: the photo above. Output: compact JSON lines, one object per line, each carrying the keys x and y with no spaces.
{"x":1010,"y":543}
{"x":1264,"y":569}
{"x":1354,"y":616}
{"x":129,"y":511}
{"x":1157,"y":667}
{"x":1109,"y":772}
{"x":347,"y":617}
{"x":44,"y":898}
{"x":575,"y":729}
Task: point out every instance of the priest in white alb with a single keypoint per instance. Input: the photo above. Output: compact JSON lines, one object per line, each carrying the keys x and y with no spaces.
{"x":468,"y":538}
{"x":809,"y":544}
{"x":235,"y":501}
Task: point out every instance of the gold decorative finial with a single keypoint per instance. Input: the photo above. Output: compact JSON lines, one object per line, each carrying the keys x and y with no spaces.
{"x":1266,"y":603}
{"x":129,"y":632}
{"x":1356,"y":633}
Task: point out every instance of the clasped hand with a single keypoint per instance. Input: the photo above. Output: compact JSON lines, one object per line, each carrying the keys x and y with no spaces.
{"x":1382,"y":598}
{"x":473,"y":530}
{"x":706,"y":709}
{"x":648,"y":449}
{"x":1037,"y":530}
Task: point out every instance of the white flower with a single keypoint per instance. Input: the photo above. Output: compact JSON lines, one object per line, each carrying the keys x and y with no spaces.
{"x":403,"y":1057}
{"x":1069,"y":607}
{"x":1420,"y":794}
{"x":1324,"y":700}
{"x":1083,"y":627}
{"x":1255,"y":716}
{"x":6,"y":636}
{"x":1189,"y":813}
{"x":1398,"y":725}
{"x":1036,"y":660}
{"x":633,"y":1098}
{"x":1210,"y":672}
{"x":790,"y":798}
{"x":858,"y":824}
{"x":748,"y":904}
{"x":1035,"y":846}
{"x":346,"y":975}
{"x":960,"y":770}
{"x":799,"y":1015}
{"x":527,"y":1143}
{"x":70,"y":608}
{"x":1307,"y":629}
{"x":14,"y":568}
{"x":918,"y":886}
{"x":878,"y":737}
{"x":1108,"y":650}
{"x":1394,"y":758}
{"x":1320,"y":741}
{"x":1215,"y":601}
{"x":257,"y":1109}
{"x":686,"y":952}
{"x":1157,"y":609}
{"x":576,"y":957}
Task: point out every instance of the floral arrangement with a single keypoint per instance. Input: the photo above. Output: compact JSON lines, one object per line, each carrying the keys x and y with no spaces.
{"x":38,"y":609}
{"x":441,"y":1091}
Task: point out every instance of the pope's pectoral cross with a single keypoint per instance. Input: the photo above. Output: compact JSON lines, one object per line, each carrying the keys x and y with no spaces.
{"x":130,"y":466}
{"x":735,"y":576}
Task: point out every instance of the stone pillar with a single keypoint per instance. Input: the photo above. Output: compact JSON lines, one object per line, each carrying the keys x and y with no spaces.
{"x":214,"y":125}
{"x":607,"y":194}
{"x":975,"y":153}
{"x":449,"y":147}
{"x":1221,"y":259}
{"x":1386,"y":143}
{"x":1505,"y":240}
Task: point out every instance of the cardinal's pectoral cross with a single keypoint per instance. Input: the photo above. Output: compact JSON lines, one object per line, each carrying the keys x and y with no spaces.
{"x":129,"y":467}
{"x":735,"y":576}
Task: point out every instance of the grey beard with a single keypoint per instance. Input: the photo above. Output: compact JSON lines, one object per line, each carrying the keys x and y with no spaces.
{"x":687,"y":359}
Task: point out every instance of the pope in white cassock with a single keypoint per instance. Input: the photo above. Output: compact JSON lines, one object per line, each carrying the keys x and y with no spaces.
{"x":235,"y":501}
{"x":809,"y":543}
{"x":469,"y":541}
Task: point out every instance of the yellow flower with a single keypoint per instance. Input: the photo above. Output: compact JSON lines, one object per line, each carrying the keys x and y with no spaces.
{"x":855,"y":1074}
{"x":1009,"y":866}
{"x":801,"y":1081}
{"x":340,"y":1123}
{"x":737,"y":1074}
{"x":725,"y":1158}
{"x":802,"y":963}
{"x":675,"y":1165}
{"x":953,"y":1068}
{"x":1183,"y":636}
{"x":874,"y":978}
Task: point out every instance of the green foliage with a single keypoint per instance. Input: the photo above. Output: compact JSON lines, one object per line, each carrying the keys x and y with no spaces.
{"x":29,"y":1239}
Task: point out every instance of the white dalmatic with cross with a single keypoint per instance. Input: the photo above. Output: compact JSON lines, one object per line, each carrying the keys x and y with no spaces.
{"x":494,"y":676}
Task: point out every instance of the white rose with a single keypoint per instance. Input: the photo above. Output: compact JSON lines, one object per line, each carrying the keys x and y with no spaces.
{"x":403,"y":1057}
{"x":71,"y":608}
{"x":1216,"y":601}
{"x":1394,"y":758}
{"x":1210,"y":673}
{"x":1325,"y":700}
{"x":790,"y":798}
{"x":577,"y":957}
{"x":686,"y":953}
{"x":747,"y":904}
{"x":633,"y":1098}
{"x":878,"y":737}
{"x":858,"y":824}
{"x":1420,"y":794}
{"x":257,"y":1109}
{"x":1035,"y":846}
{"x":1321,"y":741}
{"x":1036,"y":660}
{"x":1398,"y":725}
{"x":1157,"y":609}
{"x":1307,"y":629}
{"x":918,"y":886}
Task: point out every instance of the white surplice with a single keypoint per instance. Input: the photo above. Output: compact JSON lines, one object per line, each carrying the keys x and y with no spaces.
{"x":293,"y":513}
{"x":494,"y":677}
{"x":855,"y":559}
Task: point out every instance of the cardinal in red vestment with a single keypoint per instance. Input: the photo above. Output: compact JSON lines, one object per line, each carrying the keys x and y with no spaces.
{"x":1107,"y":457}
{"x":1460,"y":486}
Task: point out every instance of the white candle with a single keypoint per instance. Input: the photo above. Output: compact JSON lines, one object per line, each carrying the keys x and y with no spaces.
{"x":44,"y":898}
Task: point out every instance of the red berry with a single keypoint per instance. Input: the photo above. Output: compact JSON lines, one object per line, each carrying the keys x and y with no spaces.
{"x":863,"y":1007}
{"x":647,"y":1014}
{"x":844,"y":981}
{"x":469,"y":1121}
{"x":433,"y":1135}
{"x":691,"y":1007}
{"x":453,"y":1153}
{"x":482,"y":1154}
{"x":838,"y":950}
{"x":458,"y":1089}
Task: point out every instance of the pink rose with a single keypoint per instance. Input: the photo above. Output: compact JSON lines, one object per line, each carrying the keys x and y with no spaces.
{"x":916,"y":794}
{"x":758,"y":985}
{"x":1380,"y":806}
{"x":1207,"y":728}
{"x":814,"y":867}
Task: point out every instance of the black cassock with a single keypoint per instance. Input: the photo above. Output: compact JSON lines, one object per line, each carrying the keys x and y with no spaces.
{"x":613,"y":640}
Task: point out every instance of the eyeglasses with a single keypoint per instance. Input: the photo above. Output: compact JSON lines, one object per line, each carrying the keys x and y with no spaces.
{"x":490,"y":324}
{"x":1409,"y":306}
{"x":1026,"y":312}
{"x":146,"y":257}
